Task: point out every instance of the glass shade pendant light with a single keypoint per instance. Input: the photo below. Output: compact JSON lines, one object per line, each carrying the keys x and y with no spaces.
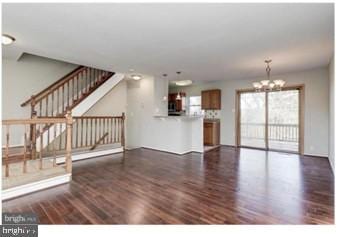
{"x":178,"y":97}
{"x":267,"y":84}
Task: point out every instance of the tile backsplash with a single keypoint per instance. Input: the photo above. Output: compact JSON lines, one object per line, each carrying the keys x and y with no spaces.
{"x":212,"y":114}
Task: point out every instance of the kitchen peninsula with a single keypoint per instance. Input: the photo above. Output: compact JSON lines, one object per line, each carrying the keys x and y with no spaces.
{"x":177,"y":134}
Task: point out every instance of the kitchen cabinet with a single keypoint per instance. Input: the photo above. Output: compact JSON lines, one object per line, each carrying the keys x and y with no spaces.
{"x":173,"y":103}
{"x":211,"y":99}
{"x":211,"y":132}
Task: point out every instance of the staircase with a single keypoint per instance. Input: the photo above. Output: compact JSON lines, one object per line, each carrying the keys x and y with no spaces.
{"x":67,"y":93}
{"x":78,"y":92}
{"x":57,"y":132}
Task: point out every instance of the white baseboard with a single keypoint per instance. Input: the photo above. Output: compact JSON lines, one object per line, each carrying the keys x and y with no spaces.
{"x":35,"y":186}
{"x":173,"y":152}
{"x":90,"y":154}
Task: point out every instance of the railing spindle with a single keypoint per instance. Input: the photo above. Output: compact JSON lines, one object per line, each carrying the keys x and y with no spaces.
{"x":25,"y":149}
{"x":60,"y":137}
{"x":123,"y":131}
{"x":103,"y":129}
{"x":91,"y":127}
{"x":40,"y":108}
{"x":52,"y":103}
{"x":34,"y":138}
{"x":41,"y":147}
{"x":115,"y":130}
{"x":86,"y":143}
{"x":48,"y":127}
{"x":77,"y":133}
{"x":7,"y":168}
{"x":54,"y":145}
{"x":111,"y":129}
{"x":81,"y":132}
{"x":68,"y":142}
{"x":58,"y":101}
{"x":96,"y":129}
{"x":62,"y":98}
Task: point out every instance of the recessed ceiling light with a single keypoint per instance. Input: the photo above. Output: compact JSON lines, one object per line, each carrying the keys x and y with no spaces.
{"x":183,"y":83}
{"x":131,"y":70}
{"x":7,"y":39}
{"x":136,"y":77}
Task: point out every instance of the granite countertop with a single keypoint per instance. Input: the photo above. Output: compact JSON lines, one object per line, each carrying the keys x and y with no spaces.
{"x":179,"y":117}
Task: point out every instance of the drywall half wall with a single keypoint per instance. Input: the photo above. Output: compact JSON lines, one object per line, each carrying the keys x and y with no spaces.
{"x":23,"y":78}
{"x":332,"y":114}
{"x":316,"y":83}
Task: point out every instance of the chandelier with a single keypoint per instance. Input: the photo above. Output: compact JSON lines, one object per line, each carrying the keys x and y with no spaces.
{"x":268,"y":84}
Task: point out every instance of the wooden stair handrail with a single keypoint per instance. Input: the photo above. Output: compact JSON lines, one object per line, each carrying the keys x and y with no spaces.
{"x":57,"y":83}
{"x":110,"y":74}
{"x":98,"y":117}
{"x":33,"y":121}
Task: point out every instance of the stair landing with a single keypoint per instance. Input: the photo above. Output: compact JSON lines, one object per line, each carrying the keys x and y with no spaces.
{"x":33,"y":174}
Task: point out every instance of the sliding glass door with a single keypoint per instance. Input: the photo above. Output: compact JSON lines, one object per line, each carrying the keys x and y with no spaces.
{"x":253,"y":118}
{"x":270,"y":120}
{"x":283,"y":120}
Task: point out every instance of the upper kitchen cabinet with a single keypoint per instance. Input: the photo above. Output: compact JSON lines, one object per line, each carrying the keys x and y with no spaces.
{"x":211,"y":99}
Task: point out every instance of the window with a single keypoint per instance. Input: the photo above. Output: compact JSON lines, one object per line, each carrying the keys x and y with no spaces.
{"x":195,"y":105}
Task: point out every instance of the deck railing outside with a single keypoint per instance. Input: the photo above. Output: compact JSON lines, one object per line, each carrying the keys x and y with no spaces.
{"x":276,"y":132}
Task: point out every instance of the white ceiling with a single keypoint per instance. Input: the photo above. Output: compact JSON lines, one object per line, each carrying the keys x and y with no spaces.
{"x":204,"y":41}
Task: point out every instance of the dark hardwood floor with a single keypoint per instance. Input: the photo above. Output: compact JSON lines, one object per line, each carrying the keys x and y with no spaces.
{"x":224,"y":186}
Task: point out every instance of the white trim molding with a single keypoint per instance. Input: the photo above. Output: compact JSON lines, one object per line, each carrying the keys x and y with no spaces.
{"x":172,"y":152}
{"x":87,"y":155}
{"x":35,"y":186}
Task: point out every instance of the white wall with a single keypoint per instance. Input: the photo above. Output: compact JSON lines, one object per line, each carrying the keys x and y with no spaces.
{"x":332,"y":114}
{"x":23,"y":78}
{"x":316,"y":106}
{"x":140,"y":100}
{"x":112,"y":104}
{"x":160,"y":91}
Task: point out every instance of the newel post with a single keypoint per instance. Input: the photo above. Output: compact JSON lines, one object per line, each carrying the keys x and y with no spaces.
{"x":69,"y":123}
{"x":33,"y":105}
{"x":33,"y":131}
{"x":123,"y":131}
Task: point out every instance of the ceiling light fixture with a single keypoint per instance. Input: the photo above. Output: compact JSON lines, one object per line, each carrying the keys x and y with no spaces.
{"x":183,"y":83}
{"x":7,"y":39}
{"x":268,"y":84}
{"x":136,"y":77}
